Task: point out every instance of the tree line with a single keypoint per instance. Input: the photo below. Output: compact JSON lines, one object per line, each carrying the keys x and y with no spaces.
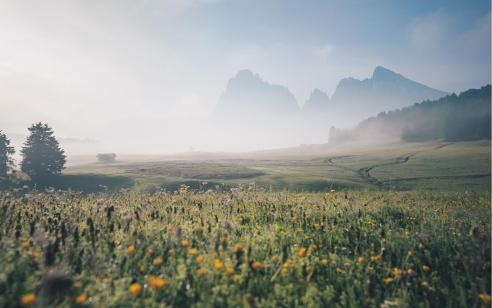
{"x":42,"y":156}
{"x":454,"y":117}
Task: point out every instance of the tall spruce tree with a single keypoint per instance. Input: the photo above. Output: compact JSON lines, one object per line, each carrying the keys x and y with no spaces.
{"x":42,"y":156}
{"x":6,"y":161}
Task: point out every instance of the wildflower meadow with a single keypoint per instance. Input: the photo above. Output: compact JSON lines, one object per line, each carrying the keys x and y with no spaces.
{"x":248,"y":248}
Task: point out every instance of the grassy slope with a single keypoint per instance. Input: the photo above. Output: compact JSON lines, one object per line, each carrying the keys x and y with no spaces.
{"x":431,"y":165}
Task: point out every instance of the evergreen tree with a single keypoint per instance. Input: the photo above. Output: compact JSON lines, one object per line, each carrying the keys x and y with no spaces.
{"x":6,"y":161}
{"x":42,"y":155}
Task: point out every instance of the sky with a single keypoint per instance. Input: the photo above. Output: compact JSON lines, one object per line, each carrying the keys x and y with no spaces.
{"x":142,"y":75}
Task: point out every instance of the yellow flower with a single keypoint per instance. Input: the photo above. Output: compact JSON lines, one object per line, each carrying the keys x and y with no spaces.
{"x":28,"y":299}
{"x":135,"y":288}
{"x":230,"y":270}
{"x":421,"y":246}
{"x":425,"y":284}
{"x":79,"y":300}
{"x":388,"y":280}
{"x":183,"y":188}
{"x":150,"y":251}
{"x":192,"y":251}
{"x":237,"y":248}
{"x":156,"y":282}
{"x":360,"y":260}
{"x":36,"y":254}
{"x":309,"y":269}
{"x":324,"y":261}
{"x":218,"y":264}
{"x":396,"y":271}
{"x":157,"y":261}
{"x":142,"y":268}
{"x":410,"y":271}
{"x":257,"y":265}
{"x":236,"y":278}
{"x":200,"y":272}
{"x":185,"y":243}
{"x":130,"y":249}
{"x":117,"y":242}
{"x":484,"y":297}
{"x":316,"y":226}
{"x":425,"y":268}
{"x":410,"y":253}
{"x":339,"y":270}
{"x":25,"y":245}
{"x":200,"y":259}
{"x":312,"y":248}
{"x":376,"y":258}
{"x":302,"y":252}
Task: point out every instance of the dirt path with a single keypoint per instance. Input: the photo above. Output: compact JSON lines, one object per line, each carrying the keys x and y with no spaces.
{"x":364,"y":172}
{"x":332,"y":163}
{"x":365,"y":175}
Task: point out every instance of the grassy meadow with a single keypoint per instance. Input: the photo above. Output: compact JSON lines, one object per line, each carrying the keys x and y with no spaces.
{"x":430,"y":166}
{"x":246,"y":247}
{"x":404,"y":225}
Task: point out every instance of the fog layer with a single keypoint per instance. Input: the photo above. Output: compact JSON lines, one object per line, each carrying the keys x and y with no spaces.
{"x":151,"y":76}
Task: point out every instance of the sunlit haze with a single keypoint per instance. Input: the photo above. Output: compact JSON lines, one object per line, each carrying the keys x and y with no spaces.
{"x":137,"y":76}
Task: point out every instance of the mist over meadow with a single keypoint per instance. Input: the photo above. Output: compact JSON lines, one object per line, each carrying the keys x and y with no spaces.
{"x":245,"y":153}
{"x":215,"y":75}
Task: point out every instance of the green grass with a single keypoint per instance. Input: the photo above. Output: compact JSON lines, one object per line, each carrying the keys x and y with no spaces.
{"x":259,"y":249}
{"x":438,"y":166}
{"x":403,"y":224}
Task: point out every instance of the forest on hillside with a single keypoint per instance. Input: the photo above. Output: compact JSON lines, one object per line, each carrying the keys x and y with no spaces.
{"x":454,"y":117}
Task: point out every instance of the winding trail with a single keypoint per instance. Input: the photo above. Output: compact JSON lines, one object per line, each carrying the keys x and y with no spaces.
{"x":364,"y":172}
{"x":365,"y":175}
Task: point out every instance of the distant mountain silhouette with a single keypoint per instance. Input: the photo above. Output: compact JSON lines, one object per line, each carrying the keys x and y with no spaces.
{"x":317,"y":101}
{"x":386,"y":90}
{"x":250,"y":103}
{"x":248,"y":95}
{"x":252,"y":111}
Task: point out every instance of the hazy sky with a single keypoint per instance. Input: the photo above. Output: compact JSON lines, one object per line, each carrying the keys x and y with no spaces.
{"x":99,"y":68}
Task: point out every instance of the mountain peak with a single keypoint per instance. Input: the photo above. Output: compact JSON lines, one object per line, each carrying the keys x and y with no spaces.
{"x":245,"y":74}
{"x":381,"y":72}
{"x":248,"y":94}
{"x":384,"y":90}
{"x":317,"y":94}
{"x":318,"y":101}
